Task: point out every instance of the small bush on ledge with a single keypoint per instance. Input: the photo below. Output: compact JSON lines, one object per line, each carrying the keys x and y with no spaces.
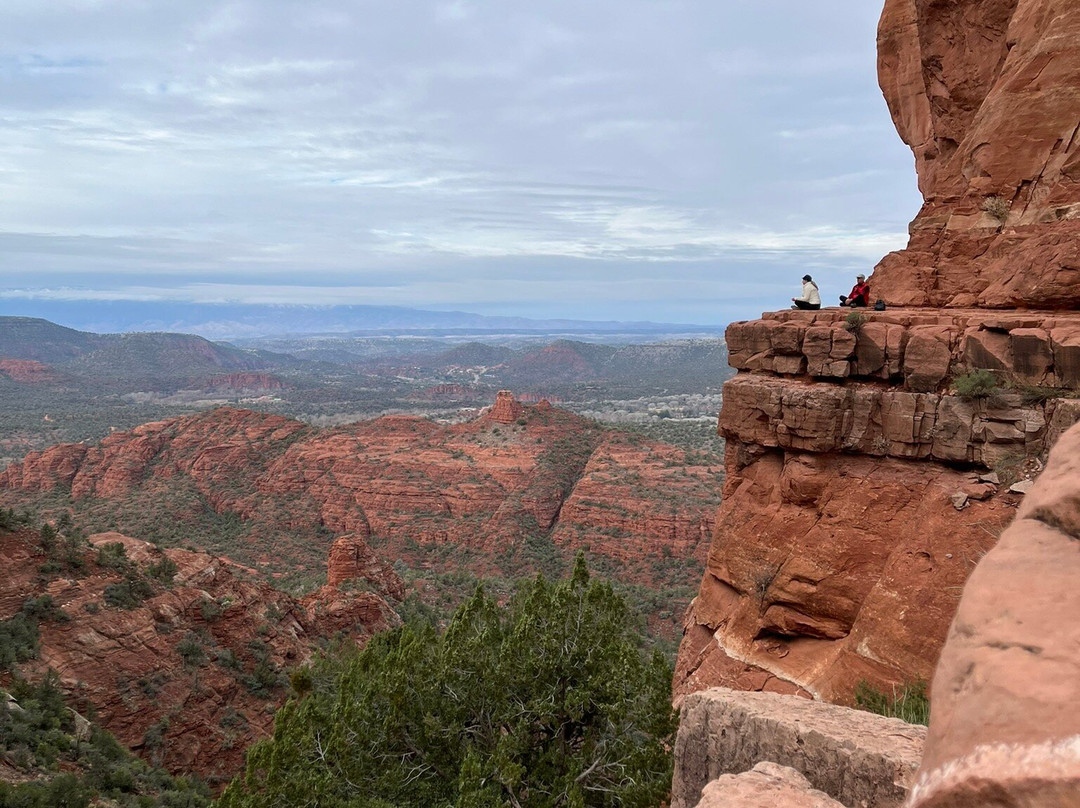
{"x":979,"y":383}
{"x":997,"y":206}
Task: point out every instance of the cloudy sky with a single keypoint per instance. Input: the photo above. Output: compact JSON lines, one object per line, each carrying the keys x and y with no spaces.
{"x":676,"y":160}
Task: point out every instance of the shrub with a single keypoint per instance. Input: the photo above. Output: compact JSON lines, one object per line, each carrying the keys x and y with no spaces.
{"x":127,"y":594}
{"x":114,"y":556}
{"x":855,"y":321}
{"x":997,"y":206}
{"x":908,"y":702}
{"x":977,"y":383}
{"x":190,"y":649}
{"x":547,"y":701}
{"x":164,"y":570}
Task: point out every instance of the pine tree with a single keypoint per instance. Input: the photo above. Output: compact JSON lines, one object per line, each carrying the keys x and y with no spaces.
{"x":545,"y":703}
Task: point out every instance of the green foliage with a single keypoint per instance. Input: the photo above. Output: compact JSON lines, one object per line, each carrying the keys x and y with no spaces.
{"x":40,"y":737}
{"x":855,"y":321}
{"x":190,"y":649}
{"x":10,"y":520}
{"x":114,"y":556}
{"x":979,"y":383}
{"x":163,"y":571}
{"x":128,"y":593}
{"x":549,"y":701}
{"x":908,"y":702}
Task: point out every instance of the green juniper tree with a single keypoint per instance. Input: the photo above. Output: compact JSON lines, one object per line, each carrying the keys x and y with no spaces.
{"x":547,"y":702}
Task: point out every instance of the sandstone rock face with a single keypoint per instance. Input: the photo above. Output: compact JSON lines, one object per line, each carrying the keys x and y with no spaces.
{"x":1005,"y":729}
{"x":767,"y":785}
{"x":985,"y":94}
{"x":244,"y":381}
{"x":829,"y":569}
{"x":352,"y":560}
{"x":177,"y":678}
{"x":853,"y":506}
{"x":856,"y":758}
{"x":506,"y":408}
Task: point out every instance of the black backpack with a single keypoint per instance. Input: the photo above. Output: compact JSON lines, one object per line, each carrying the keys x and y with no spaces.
{"x":879,"y":305}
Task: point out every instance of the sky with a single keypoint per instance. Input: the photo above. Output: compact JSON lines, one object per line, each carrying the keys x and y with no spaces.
{"x":667,"y":160}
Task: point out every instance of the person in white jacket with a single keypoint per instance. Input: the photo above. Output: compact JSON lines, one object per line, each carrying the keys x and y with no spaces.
{"x":810,"y":299}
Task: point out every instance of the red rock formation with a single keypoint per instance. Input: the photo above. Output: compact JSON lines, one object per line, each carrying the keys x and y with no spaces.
{"x":506,"y":409}
{"x":352,"y":560}
{"x":205,"y":698}
{"x":244,"y":381}
{"x":984,"y":92}
{"x":26,"y":371}
{"x":839,"y":550}
{"x":406,"y":483}
{"x":855,"y":757}
{"x":1005,"y":729}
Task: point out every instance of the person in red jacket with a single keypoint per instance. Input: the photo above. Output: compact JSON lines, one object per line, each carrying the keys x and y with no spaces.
{"x":860,"y":293}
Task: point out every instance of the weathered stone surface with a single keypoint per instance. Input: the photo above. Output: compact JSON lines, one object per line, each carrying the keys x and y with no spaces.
{"x":823,"y":417}
{"x":929,"y":347}
{"x":829,"y":569}
{"x":352,"y":560}
{"x":126,"y":662}
{"x":767,"y":785}
{"x":506,"y":408}
{"x":1004,"y":728}
{"x":985,"y":94}
{"x":856,"y":758}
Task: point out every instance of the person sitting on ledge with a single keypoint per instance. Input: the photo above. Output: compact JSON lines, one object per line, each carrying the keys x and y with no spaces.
{"x":810,"y":299}
{"x":860,"y":293}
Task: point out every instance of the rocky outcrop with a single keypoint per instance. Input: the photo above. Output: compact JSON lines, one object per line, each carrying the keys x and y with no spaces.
{"x":857,"y":498}
{"x":506,"y":409}
{"x":1004,"y":728}
{"x":856,"y":758}
{"x":26,"y":371}
{"x":767,"y":785}
{"x":406,"y":485}
{"x":985,"y":94}
{"x":352,"y":560}
{"x":189,"y":672}
{"x":249,"y":381}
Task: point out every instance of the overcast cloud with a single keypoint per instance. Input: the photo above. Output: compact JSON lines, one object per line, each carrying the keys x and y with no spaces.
{"x":678,"y":160}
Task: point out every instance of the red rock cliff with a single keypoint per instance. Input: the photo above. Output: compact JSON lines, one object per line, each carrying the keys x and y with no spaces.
{"x":862,"y":488}
{"x":987,"y":95}
{"x":853,"y":507}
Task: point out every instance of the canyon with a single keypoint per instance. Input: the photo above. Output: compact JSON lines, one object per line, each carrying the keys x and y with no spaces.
{"x":516,"y":483}
{"x":189,"y":671}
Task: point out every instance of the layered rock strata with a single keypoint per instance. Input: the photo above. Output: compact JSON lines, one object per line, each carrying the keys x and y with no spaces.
{"x":854,"y":757}
{"x":1005,"y":729}
{"x":189,"y":675}
{"x":987,"y":95}
{"x":860,"y":489}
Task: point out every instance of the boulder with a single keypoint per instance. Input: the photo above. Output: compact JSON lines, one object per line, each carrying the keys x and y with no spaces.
{"x":1005,"y":730}
{"x":767,"y":785}
{"x":854,"y":757}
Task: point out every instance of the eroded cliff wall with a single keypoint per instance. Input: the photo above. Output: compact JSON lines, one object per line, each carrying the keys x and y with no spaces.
{"x":987,"y":95}
{"x":862,"y":489}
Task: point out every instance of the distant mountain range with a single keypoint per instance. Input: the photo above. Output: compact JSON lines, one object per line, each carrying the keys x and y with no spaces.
{"x":230,"y":321}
